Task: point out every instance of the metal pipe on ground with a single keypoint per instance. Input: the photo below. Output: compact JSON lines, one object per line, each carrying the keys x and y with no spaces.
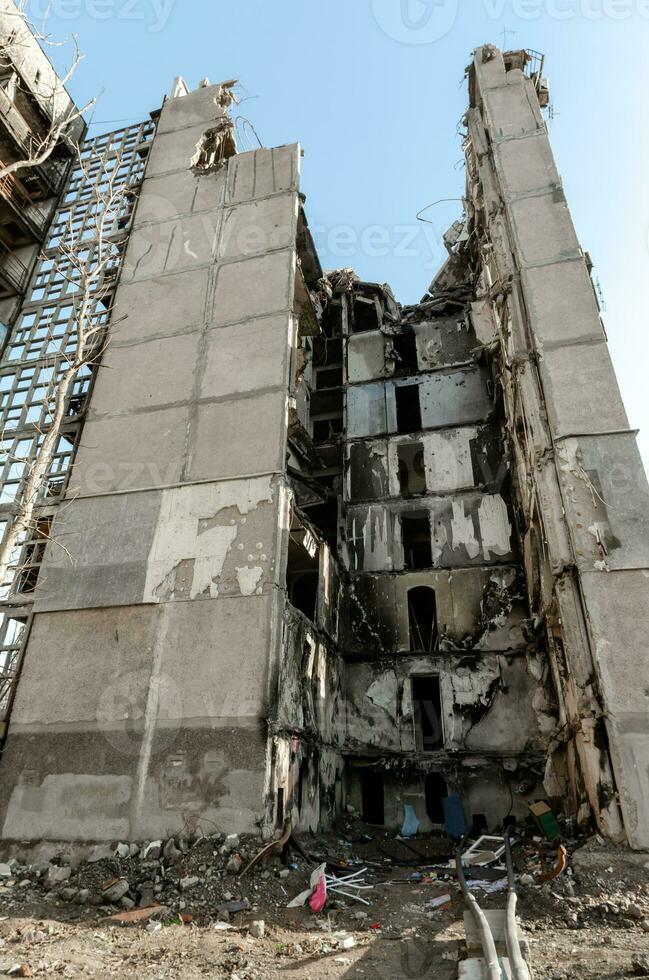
{"x":486,"y":938}
{"x":517,"y":962}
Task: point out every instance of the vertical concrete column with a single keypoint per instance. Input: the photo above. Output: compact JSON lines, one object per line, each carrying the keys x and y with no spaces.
{"x":602,"y":494}
{"x":153,"y":653}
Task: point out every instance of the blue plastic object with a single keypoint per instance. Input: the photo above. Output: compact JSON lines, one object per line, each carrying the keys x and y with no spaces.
{"x":410,"y":822}
{"x":454,"y":818}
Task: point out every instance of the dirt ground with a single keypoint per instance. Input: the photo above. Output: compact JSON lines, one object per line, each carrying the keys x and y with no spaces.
{"x":592,"y":921}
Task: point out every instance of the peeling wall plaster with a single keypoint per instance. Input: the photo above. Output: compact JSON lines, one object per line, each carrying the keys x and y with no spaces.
{"x":198,"y":528}
{"x":471,"y":528}
{"x":487,"y":705}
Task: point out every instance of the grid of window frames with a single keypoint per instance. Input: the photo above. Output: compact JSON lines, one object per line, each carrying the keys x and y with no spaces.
{"x":98,"y":203}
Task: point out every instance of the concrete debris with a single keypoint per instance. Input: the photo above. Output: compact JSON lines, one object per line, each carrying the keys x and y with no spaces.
{"x":234,"y":865}
{"x":186,"y":884}
{"x":56,"y":875}
{"x":114,"y":890}
{"x":231,"y":843}
{"x":171,"y":853}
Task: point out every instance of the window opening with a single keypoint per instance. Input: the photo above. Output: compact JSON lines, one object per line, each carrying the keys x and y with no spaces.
{"x":408,"y":408}
{"x":436,"y":791}
{"x":412,"y":471}
{"x":416,"y":540}
{"x":422,"y":619}
{"x":427,"y":707}
{"x":373,"y":796}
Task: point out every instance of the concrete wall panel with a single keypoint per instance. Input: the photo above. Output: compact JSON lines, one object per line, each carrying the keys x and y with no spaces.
{"x":260,"y":424}
{"x":263,"y":172}
{"x":146,"y":450}
{"x":174,"y":304}
{"x":156,"y":374}
{"x":581,"y":390}
{"x":247,"y":357}
{"x":253,"y":287}
{"x":258,"y":227}
{"x":543,"y":229}
{"x":562,"y":305}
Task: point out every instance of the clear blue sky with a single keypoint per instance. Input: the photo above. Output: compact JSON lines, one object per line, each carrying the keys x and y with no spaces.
{"x":374,"y":91}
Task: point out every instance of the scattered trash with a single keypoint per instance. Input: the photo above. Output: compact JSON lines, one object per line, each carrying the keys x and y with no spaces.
{"x":439,"y":901}
{"x":546,"y":820}
{"x":138,"y":915}
{"x":323,"y":884}
{"x":153,"y":926}
{"x":486,"y":850}
{"x":349,"y":885}
{"x":318,"y":897}
{"x":559,"y":867}
{"x":488,"y":886}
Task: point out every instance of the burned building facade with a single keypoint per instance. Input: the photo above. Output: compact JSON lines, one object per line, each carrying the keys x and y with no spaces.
{"x":304,"y":547}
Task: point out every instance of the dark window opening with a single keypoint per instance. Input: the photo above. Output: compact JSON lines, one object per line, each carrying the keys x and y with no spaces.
{"x":405,"y":347}
{"x":326,"y":430}
{"x":302,"y":569}
{"x":436,"y":791}
{"x":303,"y":593}
{"x":427,"y":709}
{"x":76,"y":404}
{"x":422,"y":619}
{"x":365,"y":315}
{"x":327,"y":351}
{"x":372,"y":797}
{"x":412,"y":472}
{"x":408,"y":408}
{"x":479,"y":825}
{"x":332,"y":319}
{"x":416,"y":541}
{"x":329,"y":378}
{"x":279,"y":818}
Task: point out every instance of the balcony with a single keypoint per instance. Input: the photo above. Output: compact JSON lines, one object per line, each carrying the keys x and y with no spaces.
{"x":22,"y":221}
{"x":45,"y":179}
{"x":13,"y":123}
{"x":13,"y":273}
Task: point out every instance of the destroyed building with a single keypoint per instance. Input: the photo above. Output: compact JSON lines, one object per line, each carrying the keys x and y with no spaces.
{"x":300,"y":547}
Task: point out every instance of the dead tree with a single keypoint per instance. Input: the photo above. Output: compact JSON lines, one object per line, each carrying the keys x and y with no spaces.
{"x":88,"y":264}
{"x":17,"y":37}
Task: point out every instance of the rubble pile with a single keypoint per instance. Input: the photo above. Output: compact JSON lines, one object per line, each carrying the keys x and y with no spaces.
{"x":332,"y":894}
{"x":196,"y":878}
{"x":604,"y":887}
